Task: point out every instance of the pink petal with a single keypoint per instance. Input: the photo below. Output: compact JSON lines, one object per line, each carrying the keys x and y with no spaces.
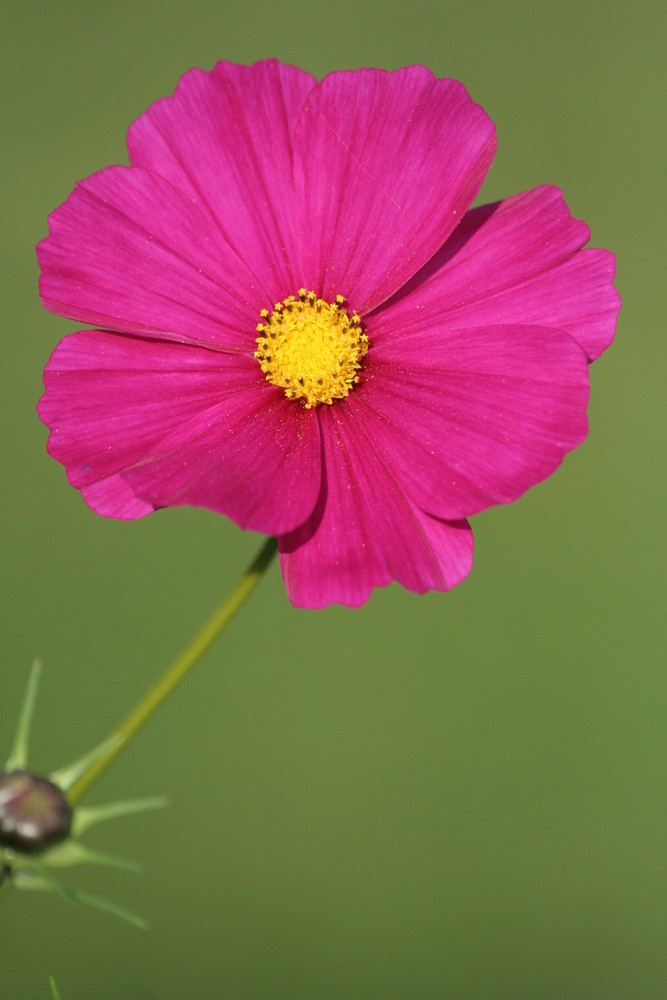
{"x":385,"y":165}
{"x":225,"y":138}
{"x":576,"y":296}
{"x":469,"y":418}
{"x":515,"y":261}
{"x":130,"y":252}
{"x":363,"y":532}
{"x":142,"y":424}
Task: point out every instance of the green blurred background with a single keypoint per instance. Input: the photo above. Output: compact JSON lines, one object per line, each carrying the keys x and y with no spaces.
{"x":454,"y":796}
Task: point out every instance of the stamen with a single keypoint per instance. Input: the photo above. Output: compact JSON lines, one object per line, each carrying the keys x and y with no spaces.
{"x":311,"y":348}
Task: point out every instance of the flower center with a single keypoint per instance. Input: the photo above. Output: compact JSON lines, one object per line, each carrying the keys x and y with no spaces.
{"x":311,"y":348}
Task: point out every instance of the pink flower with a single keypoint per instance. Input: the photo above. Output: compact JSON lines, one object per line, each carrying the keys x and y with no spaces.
{"x":304,"y":327}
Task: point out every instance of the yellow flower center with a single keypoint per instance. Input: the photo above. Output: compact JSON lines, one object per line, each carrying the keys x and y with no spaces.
{"x":311,"y":348}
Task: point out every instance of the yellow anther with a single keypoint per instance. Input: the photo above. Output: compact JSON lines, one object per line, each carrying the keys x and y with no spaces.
{"x":316,"y":349}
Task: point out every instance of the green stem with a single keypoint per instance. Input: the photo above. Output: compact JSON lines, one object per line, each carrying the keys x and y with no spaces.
{"x":174,"y":674}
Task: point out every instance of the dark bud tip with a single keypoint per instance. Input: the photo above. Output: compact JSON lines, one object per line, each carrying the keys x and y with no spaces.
{"x":34,"y":813}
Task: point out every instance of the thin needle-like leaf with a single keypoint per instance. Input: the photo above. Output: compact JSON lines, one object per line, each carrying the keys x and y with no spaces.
{"x":18,"y":757}
{"x":73,"y":853}
{"x":65,"y":776}
{"x":26,"y":879}
{"x":87,"y":816}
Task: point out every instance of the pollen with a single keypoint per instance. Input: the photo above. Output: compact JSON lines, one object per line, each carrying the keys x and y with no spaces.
{"x":311,"y":348}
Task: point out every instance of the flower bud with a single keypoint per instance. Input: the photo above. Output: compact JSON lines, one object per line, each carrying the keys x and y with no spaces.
{"x":34,"y":813}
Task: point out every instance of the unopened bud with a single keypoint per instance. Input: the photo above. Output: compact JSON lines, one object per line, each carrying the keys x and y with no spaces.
{"x":34,"y":813}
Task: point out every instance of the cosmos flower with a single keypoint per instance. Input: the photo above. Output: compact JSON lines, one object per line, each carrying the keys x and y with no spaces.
{"x":302,"y":324}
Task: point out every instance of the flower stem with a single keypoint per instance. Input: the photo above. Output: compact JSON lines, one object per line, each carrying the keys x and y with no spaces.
{"x":175,"y":673}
